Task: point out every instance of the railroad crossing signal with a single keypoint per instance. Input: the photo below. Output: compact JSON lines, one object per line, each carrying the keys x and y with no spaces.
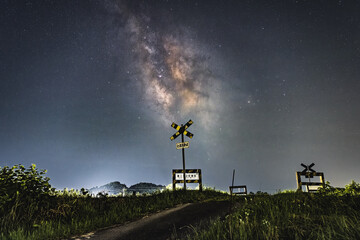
{"x":308,"y":172}
{"x":308,"y":168}
{"x":181,"y":130}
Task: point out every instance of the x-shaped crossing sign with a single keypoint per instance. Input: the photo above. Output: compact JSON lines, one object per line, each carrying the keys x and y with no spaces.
{"x":181,"y":130}
{"x":308,"y":168}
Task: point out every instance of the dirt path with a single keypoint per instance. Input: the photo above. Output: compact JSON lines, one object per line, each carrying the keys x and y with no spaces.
{"x":163,"y":224}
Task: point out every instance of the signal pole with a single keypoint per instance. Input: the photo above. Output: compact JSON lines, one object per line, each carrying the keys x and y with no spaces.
{"x":182,"y":130}
{"x":183,"y":157}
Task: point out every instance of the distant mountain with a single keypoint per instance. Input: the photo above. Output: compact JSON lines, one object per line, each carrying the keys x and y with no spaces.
{"x":115,"y":188}
{"x":144,"y":187}
{"x":112,"y":188}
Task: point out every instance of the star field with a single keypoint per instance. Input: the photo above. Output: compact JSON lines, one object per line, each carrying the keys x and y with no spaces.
{"x":89,"y":90}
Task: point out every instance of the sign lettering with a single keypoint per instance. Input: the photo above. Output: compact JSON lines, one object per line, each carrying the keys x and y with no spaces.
{"x":182,"y":145}
{"x":189,"y":176}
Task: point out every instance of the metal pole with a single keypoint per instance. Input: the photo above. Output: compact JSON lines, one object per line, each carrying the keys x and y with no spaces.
{"x":173,"y":179}
{"x":233,"y":178}
{"x":232,"y":184}
{"x":183,"y":157}
{"x":231,"y":190}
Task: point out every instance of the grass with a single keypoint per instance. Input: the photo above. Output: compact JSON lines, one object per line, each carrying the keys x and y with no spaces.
{"x":69,"y":213}
{"x":288,"y":216}
{"x":31,"y":209}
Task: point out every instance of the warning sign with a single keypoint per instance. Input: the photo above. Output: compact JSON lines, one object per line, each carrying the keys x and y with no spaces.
{"x":182,"y":145}
{"x":182,"y":130}
{"x":189,"y":176}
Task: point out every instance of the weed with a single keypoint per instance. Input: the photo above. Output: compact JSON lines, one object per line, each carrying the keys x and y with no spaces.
{"x":292,"y":215}
{"x":31,"y":209}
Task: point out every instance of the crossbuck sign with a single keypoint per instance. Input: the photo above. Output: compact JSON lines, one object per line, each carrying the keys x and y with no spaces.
{"x":182,"y":130}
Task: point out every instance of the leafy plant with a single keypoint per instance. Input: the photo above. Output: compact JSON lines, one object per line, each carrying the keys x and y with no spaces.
{"x":25,"y":195}
{"x":353,"y":188}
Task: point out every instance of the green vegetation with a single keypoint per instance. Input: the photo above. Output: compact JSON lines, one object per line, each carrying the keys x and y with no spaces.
{"x":333,"y":213}
{"x":31,"y":209}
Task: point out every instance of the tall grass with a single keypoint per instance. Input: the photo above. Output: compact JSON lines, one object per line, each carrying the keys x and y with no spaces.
{"x":31,"y":209}
{"x":288,"y":216}
{"x":68,"y":215}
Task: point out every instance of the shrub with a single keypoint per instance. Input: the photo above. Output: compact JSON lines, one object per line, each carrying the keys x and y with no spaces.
{"x":22,"y":191}
{"x":352,"y":188}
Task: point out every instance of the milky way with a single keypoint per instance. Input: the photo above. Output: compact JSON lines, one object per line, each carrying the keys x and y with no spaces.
{"x":172,"y":71}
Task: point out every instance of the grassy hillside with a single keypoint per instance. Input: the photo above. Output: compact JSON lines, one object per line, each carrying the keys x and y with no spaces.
{"x":332,"y":214}
{"x":31,"y":209}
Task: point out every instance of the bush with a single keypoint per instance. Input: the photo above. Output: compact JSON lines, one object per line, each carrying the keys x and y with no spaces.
{"x":353,"y":188}
{"x":22,"y":191}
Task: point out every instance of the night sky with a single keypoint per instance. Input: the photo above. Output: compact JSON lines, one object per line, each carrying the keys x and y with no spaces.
{"x":89,"y":89}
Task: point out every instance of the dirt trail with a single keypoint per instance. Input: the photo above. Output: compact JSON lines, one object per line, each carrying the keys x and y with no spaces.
{"x":163,"y":224}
